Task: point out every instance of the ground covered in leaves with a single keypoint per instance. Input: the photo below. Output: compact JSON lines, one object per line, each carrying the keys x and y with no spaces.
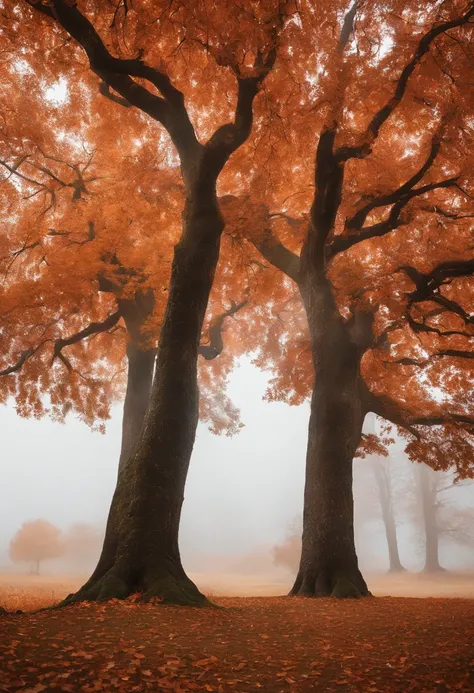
{"x":267,"y":644}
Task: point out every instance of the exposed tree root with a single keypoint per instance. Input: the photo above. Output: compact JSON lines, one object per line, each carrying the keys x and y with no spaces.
{"x":163,"y":587}
{"x":327,"y":583}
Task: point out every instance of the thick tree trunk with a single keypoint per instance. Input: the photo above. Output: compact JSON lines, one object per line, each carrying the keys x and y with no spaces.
{"x":428,"y":508}
{"x":385,"y":496}
{"x":329,"y":565}
{"x":140,"y":552}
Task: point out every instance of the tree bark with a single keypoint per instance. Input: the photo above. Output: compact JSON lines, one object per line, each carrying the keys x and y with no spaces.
{"x":329,"y":564}
{"x":140,"y":364}
{"x":139,"y":380}
{"x":385,"y":495}
{"x":428,"y":509}
{"x":140,"y":552}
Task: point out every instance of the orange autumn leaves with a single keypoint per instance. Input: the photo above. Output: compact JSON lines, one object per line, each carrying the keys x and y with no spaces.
{"x":95,"y":161}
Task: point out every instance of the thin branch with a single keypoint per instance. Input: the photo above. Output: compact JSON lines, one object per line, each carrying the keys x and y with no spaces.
{"x":14,"y":171}
{"x":394,"y":221}
{"x":423,"y":47}
{"x":356,"y":222}
{"x":386,"y":111}
{"x":91,"y":329}
{"x":24,"y":356}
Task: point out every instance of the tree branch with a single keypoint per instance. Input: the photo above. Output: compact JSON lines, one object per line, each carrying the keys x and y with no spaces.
{"x":24,"y":356}
{"x":59,"y":344}
{"x":92,"y":328}
{"x":356,"y":222}
{"x":105,"y":91}
{"x":168,"y":109}
{"x":342,"y":243}
{"x":229,"y":137}
{"x":216,"y":343}
{"x":423,"y":47}
{"x":278,"y":255}
{"x":348,"y":26}
{"x":453,"y":353}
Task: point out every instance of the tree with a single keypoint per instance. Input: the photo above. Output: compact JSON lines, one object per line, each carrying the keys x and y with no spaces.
{"x":440,"y":515}
{"x":36,"y":541}
{"x":140,"y":550}
{"x":383,"y":478}
{"x":386,"y":488}
{"x":379,"y":282}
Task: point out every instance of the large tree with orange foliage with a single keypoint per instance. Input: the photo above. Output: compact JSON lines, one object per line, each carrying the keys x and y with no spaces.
{"x":383,"y":258}
{"x":174,"y":45}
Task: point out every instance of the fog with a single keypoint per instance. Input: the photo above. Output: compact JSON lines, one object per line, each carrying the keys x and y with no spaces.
{"x":242,"y":496}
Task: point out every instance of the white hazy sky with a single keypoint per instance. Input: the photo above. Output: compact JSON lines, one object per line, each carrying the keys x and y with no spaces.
{"x":242,"y":492}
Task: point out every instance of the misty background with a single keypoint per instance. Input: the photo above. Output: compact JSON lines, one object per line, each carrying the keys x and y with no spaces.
{"x":244,"y":494}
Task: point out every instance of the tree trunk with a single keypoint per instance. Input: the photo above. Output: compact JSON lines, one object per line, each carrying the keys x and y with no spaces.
{"x":428,"y":508}
{"x":140,"y":552}
{"x":139,"y":380}
{"x":384,"y":487}
{"x":141,"y":360}
{"x":329,"y":565}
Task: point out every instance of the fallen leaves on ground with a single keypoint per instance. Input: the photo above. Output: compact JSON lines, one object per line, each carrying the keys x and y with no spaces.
{"x":261,"y":644}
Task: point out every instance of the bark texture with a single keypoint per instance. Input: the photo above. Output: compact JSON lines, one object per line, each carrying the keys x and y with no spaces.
{"x":140,"y":361}
{"x":140,"y":552}
{"x":329,"y":564}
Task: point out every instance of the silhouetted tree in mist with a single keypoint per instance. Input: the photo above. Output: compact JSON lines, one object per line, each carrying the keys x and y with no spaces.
{"x":36,"y":541}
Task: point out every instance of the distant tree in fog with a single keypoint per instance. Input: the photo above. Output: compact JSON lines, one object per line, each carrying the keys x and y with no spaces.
{"x":36,"y":541}
{"x":378,"y":484}
{"x":82,"y":544}
{"x":440,"y":515}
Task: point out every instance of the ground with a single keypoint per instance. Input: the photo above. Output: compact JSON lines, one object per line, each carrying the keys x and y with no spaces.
{"x":389,"y":644}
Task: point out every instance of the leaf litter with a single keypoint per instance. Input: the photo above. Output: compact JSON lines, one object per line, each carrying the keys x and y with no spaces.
{"x":272,"y":645}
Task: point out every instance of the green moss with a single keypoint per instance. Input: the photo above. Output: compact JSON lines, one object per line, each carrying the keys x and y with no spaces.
{"x":345,"y":589}
{"x":111,"y":587}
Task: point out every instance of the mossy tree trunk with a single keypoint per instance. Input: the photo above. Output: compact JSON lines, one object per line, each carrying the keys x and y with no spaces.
{"x":329,"y":564}
{"x":140,"y":552}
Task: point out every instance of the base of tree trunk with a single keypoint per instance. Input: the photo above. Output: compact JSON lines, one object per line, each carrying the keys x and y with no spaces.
{"x":166,"y":588}
{"x":397,"y":569}
{"x":327,"y":583}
